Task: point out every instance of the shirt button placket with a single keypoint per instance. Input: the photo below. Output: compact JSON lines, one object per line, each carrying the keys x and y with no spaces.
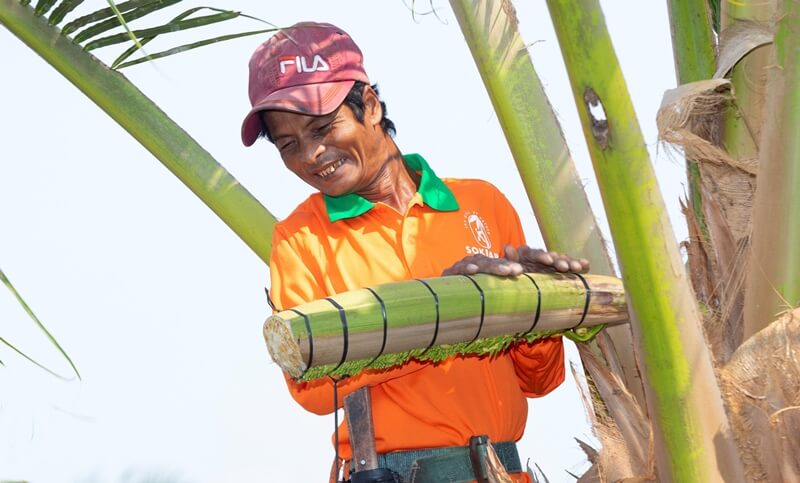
{"x":408,"y":237}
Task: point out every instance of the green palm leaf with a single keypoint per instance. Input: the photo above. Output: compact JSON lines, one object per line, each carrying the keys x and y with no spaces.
{"x":41,"y":326}
{"x":169,"y":28}
{"x":122,"y":21}
{"x":113,"y":22}
{"x":103,"y":14}
{"x":62,"y":10}
{"x":43,"y":6}
{"x":184,"y":48}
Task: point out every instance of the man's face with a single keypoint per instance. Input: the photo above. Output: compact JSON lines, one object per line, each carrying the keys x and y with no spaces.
{"x":334,"y":153}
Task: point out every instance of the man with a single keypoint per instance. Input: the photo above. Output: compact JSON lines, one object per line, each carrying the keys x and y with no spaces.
{"x":381,"y":216}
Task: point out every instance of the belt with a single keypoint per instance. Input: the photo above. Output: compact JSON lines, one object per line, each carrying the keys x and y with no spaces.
{"x":446,"y":465}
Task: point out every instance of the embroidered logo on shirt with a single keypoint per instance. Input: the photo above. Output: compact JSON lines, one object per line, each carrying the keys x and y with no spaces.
{"x":480,"y":232}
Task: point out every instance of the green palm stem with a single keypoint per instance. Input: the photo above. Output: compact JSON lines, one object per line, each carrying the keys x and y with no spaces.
{"x":695,"y":59}
{"x":773,"y":282}
{"x":542,"y":156}
{"x":742,"y":128}
{"x":138,"y":115}
{"x":692,"y":441}
{"x":436,"y":318}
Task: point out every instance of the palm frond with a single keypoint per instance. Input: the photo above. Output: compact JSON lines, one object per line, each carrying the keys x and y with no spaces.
{"x":169,"y":28}
{"x":61,"y":11}
{"x":86,"y":29}
{"x":30,"y":359}
{"x":130,"y":51}
{"x":184,"y":48}
{"x":43,"y":6}
{"x":39,"y":324}
{"x":122,"y":21}
{"x":103,"y":14}
{"x":114,"y":22}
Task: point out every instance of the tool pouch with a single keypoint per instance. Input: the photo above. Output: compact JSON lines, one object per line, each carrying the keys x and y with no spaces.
{"x":478,"y":456}
{"x":377,"y":475}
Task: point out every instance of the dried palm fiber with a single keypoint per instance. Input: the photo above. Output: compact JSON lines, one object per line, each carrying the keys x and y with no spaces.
{"x":761,"y":384}
{"x":626,"y":434}
{"x":719,"y":243}
{"x":435,"y":318}
{"x":689,"y":119}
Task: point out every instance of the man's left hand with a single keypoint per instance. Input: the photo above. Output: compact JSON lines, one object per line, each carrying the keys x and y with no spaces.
{"x":537,"y":260}
{"x":518,"y":260}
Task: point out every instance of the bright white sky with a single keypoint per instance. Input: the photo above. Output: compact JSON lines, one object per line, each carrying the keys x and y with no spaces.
{"x":161,"y":305}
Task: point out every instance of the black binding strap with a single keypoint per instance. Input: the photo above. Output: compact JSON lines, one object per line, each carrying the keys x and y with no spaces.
{"x":483,"y":307}
{"x":436,"y":304}
{"x":588,"y":299}
{"x":385,"y":324}
{"x":343,"y":318}
{"x":269,"y":300}
{"x":538,"y":305}
{"x":310,"y":340}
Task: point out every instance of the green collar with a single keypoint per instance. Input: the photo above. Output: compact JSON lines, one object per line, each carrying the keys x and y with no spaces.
{"x":432,"y":189}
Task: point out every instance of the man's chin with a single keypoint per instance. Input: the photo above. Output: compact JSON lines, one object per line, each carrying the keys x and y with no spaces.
{"x":334,"y":191}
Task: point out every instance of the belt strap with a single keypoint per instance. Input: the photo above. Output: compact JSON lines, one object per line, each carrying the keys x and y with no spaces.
{"x":449,"y":464}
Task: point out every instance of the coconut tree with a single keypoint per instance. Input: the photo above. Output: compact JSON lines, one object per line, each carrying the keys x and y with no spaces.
{"x":683,"y":407}
{"x":66,"y":49}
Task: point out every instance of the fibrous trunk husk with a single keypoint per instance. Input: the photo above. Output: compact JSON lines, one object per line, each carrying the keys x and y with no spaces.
{"x":761,"y":384}
{"x":689,"y":118}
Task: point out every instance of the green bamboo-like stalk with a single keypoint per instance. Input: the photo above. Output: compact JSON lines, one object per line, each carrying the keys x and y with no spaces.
{"x":537,"y":144}
{"x":532,"y":131}
{"x":121,"y":100}
{"x":773,"y":282}
{"x":742,"y":128}
{"x":437,"y":318}
{"x":691,"y":430}
{"x":693,"y":49}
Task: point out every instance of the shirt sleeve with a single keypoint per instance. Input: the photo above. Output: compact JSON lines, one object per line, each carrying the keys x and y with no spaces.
{"x":294,"y":282}
{"x":539,"y":365}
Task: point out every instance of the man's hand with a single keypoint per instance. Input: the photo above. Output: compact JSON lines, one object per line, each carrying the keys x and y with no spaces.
{"x":516,"y":261}
{"x":536,"y":260}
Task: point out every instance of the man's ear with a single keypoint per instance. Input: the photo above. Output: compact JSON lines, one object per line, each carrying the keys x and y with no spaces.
{"x":373,"y":113}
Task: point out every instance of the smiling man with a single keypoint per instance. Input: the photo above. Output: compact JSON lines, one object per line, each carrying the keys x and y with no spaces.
{"x":381,"y":216}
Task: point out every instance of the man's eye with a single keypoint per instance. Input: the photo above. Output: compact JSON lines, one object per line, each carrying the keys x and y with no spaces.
{"x":285,"y":146}
{"x":323,"y":129}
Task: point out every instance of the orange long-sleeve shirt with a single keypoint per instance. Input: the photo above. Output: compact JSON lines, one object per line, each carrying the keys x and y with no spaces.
{"x":331,"y":245}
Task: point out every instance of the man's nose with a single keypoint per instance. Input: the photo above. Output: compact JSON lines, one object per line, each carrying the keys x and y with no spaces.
{"x":312,"y":151}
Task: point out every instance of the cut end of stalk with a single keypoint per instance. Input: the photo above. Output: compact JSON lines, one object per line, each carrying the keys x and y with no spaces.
{"x":282,"y":348}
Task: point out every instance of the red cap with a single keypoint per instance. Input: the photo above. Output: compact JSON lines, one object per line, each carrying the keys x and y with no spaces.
{"x":307,"y":68}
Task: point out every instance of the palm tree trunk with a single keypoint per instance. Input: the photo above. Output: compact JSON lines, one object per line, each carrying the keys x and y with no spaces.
{"x":711,"y":246}
{"x":741,"y":133}
{"x":690,"y":427}
{"x":773,"y":282}
{"x":121,"y":100}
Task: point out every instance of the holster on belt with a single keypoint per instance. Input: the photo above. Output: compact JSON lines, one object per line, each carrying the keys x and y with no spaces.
{"x":485,"y":462}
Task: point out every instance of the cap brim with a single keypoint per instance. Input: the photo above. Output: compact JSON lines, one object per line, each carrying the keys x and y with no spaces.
{"x":312,"y":100}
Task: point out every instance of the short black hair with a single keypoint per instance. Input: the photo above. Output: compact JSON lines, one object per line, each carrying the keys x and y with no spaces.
{"x":355,"y":101}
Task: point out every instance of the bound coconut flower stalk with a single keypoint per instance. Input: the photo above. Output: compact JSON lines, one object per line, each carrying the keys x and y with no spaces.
{"x":435,"y":318}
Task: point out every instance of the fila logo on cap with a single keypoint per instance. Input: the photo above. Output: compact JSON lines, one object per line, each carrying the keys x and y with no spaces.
{"x":301,"y":65}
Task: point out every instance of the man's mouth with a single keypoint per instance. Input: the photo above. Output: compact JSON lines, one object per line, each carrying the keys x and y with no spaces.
{"x":330,"y":169}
